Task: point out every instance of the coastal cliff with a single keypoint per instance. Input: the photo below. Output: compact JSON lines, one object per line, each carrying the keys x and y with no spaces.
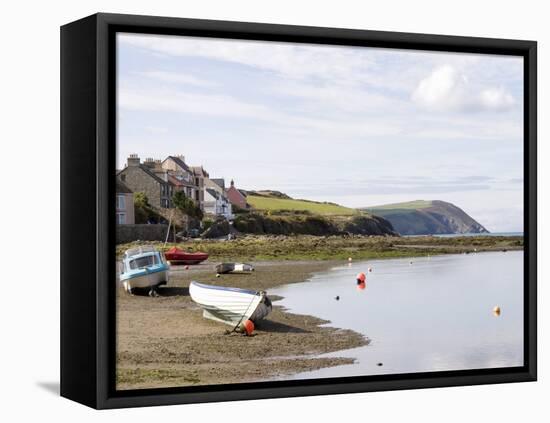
{"x":427,"y":218}
{"x":276,"y":213}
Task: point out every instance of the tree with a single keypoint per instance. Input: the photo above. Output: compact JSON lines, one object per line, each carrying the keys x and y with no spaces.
{"x":141,"y":200}
{"x":186,"y":205}
{"x":144,"y":213}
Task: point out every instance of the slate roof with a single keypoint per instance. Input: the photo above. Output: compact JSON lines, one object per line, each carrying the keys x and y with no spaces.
{"x":180,"y":163}
{"x":219,"y":182}
{"x":152,"y":174}
{"x":213,"y":193}
{"x":122,"y":188}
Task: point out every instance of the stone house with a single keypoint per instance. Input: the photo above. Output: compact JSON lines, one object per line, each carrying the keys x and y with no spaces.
{"x":176,"y":167}
{"x":200,"y":175}
{"x":124,"y":204}
{"x":149,"y":178}
{"x":236,"y":197}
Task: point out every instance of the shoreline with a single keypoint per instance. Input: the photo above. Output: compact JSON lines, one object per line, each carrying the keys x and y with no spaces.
{"x":165,"y":341}
{"x":260,"y":248}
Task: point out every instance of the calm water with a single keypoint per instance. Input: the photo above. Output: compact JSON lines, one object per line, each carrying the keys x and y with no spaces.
{"x":485,"y":234}
{"x":434,"y":314}
{"x":470,"y":234}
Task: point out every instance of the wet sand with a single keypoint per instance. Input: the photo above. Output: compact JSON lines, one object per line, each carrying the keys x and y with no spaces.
{"x":165,"y":341}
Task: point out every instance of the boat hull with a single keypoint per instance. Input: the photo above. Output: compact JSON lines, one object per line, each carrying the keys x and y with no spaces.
{"x":230,"y":305}
{"x":177,"y":256}
{"x":234,"y":268}
{"x":144,"y":280}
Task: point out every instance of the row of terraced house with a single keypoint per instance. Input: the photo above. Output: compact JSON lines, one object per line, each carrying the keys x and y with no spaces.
{"x":159,"y":180}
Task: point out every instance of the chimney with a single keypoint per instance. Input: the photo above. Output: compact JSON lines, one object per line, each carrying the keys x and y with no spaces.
{"x":149,"y":162}
{"x":133,"y":160}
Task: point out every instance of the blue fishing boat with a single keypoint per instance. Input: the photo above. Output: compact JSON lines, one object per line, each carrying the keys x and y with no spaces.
{"x":144,"y":267}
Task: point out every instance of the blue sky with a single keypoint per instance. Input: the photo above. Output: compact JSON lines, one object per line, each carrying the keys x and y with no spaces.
{"x":355,"y":126}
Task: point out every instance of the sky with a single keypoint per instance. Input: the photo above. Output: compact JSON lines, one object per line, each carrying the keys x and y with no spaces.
{"x":352,"y":125}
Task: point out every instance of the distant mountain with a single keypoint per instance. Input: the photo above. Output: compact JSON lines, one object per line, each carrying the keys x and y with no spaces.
{"x":427,"y":218}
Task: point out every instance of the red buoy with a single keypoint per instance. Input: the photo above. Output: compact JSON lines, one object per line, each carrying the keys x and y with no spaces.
{"x":361,"y":286}
{"x":361,"y":278}
{"x":248,"y":327}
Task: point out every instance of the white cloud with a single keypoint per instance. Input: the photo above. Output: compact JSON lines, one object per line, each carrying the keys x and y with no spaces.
{"x":156,"y":130}
{"x":447,"y":89}
{"x":176,"y":78}
{"x":496,"y":99}
{"x":290,"y":59}
{"x":190,"y":103}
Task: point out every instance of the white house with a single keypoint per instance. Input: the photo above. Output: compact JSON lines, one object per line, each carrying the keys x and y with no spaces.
{"x":217,"y":204}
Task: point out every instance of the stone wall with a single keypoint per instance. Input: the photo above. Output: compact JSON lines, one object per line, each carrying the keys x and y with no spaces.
{"x":129,"y":233}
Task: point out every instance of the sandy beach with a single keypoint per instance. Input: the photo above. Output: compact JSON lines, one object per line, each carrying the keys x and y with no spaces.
{"x":165,"y":341}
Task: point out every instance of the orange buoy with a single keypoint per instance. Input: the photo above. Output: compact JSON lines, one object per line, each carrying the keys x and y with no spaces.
{"x":248,"y":326}
{"x":361,"y":278}
{"x":361,"y":286}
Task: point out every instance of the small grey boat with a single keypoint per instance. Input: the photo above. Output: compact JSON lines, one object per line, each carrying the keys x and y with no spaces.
{"x":234,"y":268}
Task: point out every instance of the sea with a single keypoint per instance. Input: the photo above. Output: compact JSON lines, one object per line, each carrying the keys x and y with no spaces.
{"x":420,"y":314}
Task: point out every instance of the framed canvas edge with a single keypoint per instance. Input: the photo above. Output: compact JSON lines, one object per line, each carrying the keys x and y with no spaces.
{"x":109,"y":23}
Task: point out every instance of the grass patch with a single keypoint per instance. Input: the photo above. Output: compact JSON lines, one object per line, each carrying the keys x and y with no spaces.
{"x":285,"y":204}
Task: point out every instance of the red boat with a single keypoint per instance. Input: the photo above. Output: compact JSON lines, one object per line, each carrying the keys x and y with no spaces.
{"x":176,"y":255}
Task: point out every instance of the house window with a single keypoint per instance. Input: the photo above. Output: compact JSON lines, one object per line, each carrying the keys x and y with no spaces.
{"x":120,"y":202}
{"x":121,"y":218}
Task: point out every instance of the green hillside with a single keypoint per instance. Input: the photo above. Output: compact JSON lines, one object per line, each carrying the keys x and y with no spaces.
{"x":422,"y":217}
{"x":268,"y":203}
{"x":274,"y":212}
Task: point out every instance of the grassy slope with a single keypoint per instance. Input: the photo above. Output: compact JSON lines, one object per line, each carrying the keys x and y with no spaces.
{"x":275,"y":204}
{"x":409,"y":205}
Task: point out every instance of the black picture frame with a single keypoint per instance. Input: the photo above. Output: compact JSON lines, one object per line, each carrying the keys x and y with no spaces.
{"x":88,"y":221}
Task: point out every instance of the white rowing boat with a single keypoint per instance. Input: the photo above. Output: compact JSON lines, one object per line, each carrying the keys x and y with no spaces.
{"x":230,"y":305}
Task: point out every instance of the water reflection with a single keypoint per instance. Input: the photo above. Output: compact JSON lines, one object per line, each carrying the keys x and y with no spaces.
{"x":436,"y":313}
